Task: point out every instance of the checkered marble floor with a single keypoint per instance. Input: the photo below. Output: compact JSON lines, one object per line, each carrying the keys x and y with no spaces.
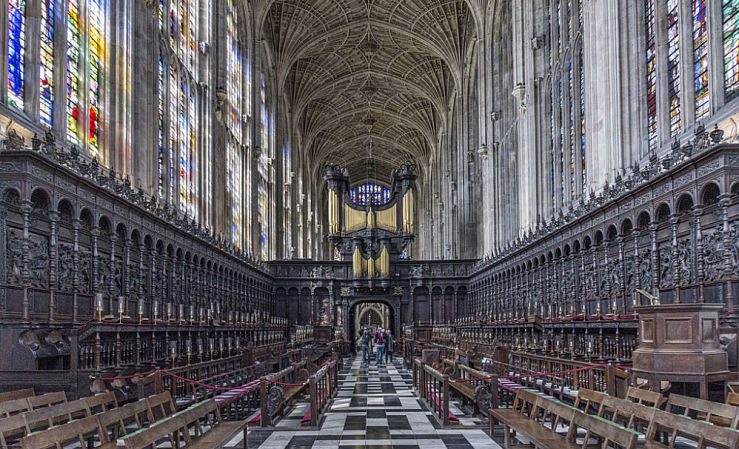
{"x":375,"y":408}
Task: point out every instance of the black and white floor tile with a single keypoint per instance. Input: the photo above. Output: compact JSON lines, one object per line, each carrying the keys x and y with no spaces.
{"x":375,"y":408}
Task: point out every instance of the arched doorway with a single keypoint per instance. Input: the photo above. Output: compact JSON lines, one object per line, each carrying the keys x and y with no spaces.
{"x":372,"y":313}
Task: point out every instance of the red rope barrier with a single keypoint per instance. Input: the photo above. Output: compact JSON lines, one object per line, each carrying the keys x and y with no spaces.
{"x":287,"y":385}
{"x":212,"y":387}
{"x":125,"y":377}
{"x":726,"y":315}
{"x":556,"y":372}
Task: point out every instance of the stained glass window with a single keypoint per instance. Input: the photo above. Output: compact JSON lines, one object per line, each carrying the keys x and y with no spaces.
{"x":262,"y":207}
{"x":96,"y":16}
{"x":235,"y":187}
{"x":16,"y":52}
{"x":233,"y":72}
{"x":570,"y":76}
{"x":173,"y":127}
{"x":404,"y":254}
{"x":700,"y":47}
{"x":337,"y":254}
{"x":673,"y":64}
{"x":365,"y":193}
{"x":74,"y":37}
{"x":651,"y":75}
{"x":731,"y":47}
{"x":160,"y":127}
{"x":582,"y":119}
{"x":46,"y":94}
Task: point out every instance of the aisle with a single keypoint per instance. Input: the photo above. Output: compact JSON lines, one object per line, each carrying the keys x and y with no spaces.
{"x":375,"y":408}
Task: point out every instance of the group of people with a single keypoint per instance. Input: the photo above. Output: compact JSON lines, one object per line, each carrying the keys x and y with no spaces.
{"x":383,"y":341}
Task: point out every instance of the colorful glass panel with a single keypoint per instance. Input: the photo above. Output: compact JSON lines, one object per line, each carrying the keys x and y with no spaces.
{"x":700,"y":48}
{"x":582,"y":121}
{"x":46,"y":78}
{"x":337,"y":254}
{"x":16,"y":52}
{"x":235,"y":187}
{"x":673,"y":65}
{"x":651,"y":76}
{"x":731,"y":47}
{"x":160,"y":128}
{"x":96,"y":15}
{"x":362,"y":194}
{"x":73,"y":71}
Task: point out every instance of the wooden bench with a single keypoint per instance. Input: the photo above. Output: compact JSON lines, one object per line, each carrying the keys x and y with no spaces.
{"x":733,"y":399}
{"x":52,"y":415}
{"x":17,"y":394}
{"x":46,"y":400}
{"x":120,"y":421}
{"x":645,"y":397}
{"x":11,"y":429}
{"x":522,"y":409}
{"x":666,"y":427}
{"x":713,"y":412}
{"x":160,"y":406}
{"x":13,"y":407}
{"x":605,"y":432}
{"x":188,"y":426}
{"x":626,"y":413}
{"x":100,"y":402}
{"x":541,"y":419}
{"x":69,"y":435}
{"x":589,"y":401}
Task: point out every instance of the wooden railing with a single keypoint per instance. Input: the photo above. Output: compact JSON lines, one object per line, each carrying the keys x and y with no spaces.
{"x":434,"y":388}
{"x":322,"y":386}
{"x":274,"y":394}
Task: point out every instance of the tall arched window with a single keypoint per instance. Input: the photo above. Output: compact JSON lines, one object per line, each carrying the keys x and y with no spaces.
{"x":731,"y":47}
{"x":183,"y":136}
{"x":86,"y":41}
{"x":569,"y":176}
{"x":46,"y":78}
{"x":234,"y":146}
{"x":16,"y":52}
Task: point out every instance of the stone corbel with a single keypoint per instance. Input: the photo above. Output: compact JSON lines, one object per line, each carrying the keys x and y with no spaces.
{"x":520,"y":93}
{"x":483,"y":151}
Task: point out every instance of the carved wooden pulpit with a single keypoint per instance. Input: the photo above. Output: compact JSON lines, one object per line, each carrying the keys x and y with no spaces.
{"x":680,"y":343}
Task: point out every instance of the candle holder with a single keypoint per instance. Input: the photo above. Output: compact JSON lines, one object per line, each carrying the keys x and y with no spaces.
{"x":121,"y":305}
{"x":99,"y":305}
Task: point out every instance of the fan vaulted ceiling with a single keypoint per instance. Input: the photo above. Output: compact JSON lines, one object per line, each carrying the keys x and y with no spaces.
{"x":351,"y":71}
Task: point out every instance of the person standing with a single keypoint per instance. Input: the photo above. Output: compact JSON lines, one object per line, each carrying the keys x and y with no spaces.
{"x":389,"y":346}
{"x":366,"y":342}
{"x":379,"y":347}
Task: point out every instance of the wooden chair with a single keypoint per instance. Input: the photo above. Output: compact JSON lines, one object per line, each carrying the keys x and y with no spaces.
{"x":666,"y":427}
{"x":645,"y":397}
{"x":69,"y":435}
{"x":17,"y":394}
{"x":714,"y":412}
